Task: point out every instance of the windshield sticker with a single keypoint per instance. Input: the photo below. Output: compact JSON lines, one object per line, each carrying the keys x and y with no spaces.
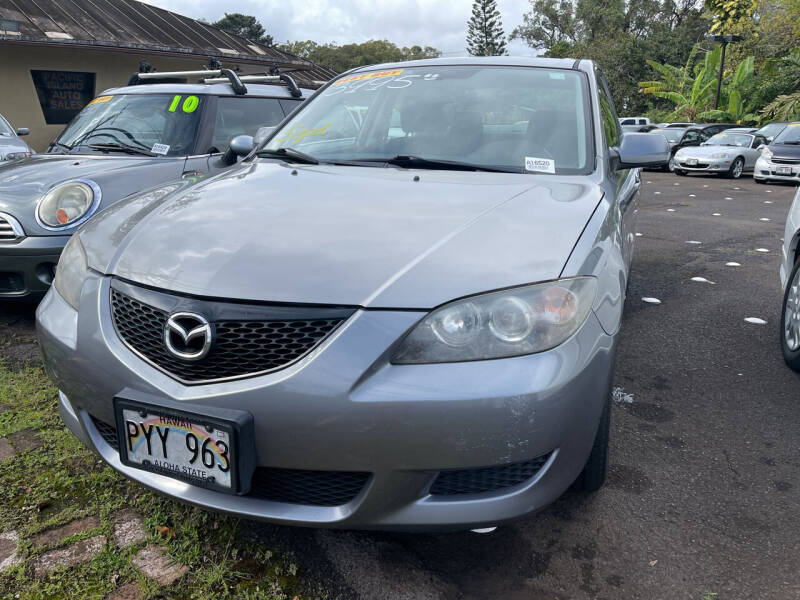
{"x":374,"y":75}
{"x":296,"y":135}
{"x":189,"y":105}
{"x":541,"y":165}
{"x":100,"y":99}
{"x":160,"y":149}
{"x":793,"y":125}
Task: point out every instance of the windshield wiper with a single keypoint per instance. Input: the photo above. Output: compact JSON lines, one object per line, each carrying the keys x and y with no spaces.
{"x":289,"y":154}
{"x":59,"y":145}
{"x":418,"y":162}
{"x":120,"y":148}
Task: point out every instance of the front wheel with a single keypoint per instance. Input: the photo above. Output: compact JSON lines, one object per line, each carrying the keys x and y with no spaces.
{"x":790,"y":320}
{"x":736,"y":168}
{"x":594,"y":471}
{"x":671,"y":164}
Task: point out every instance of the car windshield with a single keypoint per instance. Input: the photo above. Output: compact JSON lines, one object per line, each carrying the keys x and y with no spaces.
{"x":790,"y":135}
{"x":5,"y":128}
{"x":673,"y":134}
{"x":161,"y":124}
{"x":730,"y":139}
{"x":507,"y":118}
{"x":771,"y":130}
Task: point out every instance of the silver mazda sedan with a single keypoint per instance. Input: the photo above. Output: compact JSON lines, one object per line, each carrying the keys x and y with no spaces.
{"x":400,"y":312}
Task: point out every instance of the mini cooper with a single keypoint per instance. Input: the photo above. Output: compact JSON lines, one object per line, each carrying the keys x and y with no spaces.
{"x":125,"y":140}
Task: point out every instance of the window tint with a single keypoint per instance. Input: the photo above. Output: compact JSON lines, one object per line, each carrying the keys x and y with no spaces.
{"x":5,"y":128}
{"x":289,"y":105}
{"x":243,"y":116}
{"x":629,"y":121}
{"x":691,"y":136}
{"x":607,"y":113}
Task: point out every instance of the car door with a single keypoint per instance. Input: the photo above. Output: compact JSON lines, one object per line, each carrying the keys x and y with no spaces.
{"x":627,"y":181}
{"x":228,"y":117}
{"x":752,"y":153}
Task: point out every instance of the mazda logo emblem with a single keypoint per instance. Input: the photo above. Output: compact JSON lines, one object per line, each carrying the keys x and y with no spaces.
{"x":187,"y":335}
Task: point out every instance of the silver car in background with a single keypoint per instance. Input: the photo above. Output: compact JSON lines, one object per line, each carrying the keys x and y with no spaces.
{"x":401,"y":321}
{"x":730,"y":153}
{"x":11,"y":146}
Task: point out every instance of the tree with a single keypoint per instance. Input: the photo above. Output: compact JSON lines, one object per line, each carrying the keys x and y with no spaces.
{"x":485,"y":35}
{"x":786,"y":107}
{"x":728,"y":14}
{"x":349,"y":56}
{"x":246,"y":26}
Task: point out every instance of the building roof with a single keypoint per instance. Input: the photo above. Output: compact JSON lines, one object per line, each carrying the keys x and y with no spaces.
{"x":135,"y":26}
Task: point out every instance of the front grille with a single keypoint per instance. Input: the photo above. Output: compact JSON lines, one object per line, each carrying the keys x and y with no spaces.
{"x":786,"y":161}
{"x":293,"y":486}
{"x":312,"y":488}
{"x":487,"y":479}
{"x":107,"y":432}
{"x":698,"y":165}
{"x":241,"y":347}
{"x":9,"y":232}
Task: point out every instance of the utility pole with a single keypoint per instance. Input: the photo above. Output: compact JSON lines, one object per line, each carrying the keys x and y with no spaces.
{"x":724,"y":40}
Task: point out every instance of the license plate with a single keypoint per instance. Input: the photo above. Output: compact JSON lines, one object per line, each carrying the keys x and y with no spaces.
{"x":783,"y":170}
{"x":691,"y":161}
{"x":194,"y":448}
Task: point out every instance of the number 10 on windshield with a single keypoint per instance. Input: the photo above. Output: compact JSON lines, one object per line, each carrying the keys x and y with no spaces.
{"x":189,"y":105}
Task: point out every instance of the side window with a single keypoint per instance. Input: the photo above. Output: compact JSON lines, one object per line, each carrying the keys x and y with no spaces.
{"x":629,"y":122}
{"x":243,"y":116}
{"x":289,"y":105}
{"x":607,"y":114}
{"x":692,"y":136}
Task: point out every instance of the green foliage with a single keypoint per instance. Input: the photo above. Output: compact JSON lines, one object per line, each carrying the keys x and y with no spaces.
{"x":727,"y":15}
{"x":485,"y":35}
{"x":349,"y":56}
{"x":246,"y":26}
{"x":786,"y":106}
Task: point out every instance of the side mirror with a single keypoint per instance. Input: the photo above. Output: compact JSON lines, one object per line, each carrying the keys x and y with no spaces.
{"x":640,"y":150}
{"x":761,"y":147}
{"x":262,"y":135}
{"x":23,"y":131}
{"x":241,"y":145}
{"x":770,"y":138}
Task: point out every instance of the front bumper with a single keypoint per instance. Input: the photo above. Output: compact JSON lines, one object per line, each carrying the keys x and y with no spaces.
{"x":27,"y":266}
{"x":345,"y":408}
{"x":703,"y":164}
{"x":766,"y":169}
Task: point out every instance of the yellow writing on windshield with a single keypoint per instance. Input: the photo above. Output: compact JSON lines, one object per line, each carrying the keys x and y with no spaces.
{"x":100,"y":99}
{"x":374,"y":75}
{"x":296,"y":135}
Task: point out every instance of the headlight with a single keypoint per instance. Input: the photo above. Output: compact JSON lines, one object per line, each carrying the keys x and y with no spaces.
{"x":71,"y":272}
{"x":16,"y":155}
{"x":68,"y":204}
{"x":679,"y":153}
{"x":512,"y":322}
{"x":720,"y":155}
{"x":766,"y":152}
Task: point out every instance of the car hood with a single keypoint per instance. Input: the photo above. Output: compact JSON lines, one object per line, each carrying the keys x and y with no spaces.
{"x":707,"y":151}
{"x":9,"y":144}
{"x":24,"y":182}
{"x":789,"y":151}
{"x":373,"y":237}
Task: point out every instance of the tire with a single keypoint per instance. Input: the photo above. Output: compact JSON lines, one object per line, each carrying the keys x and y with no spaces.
{"x":671,"y":164}
{"x":594,"y":471}
{"x":790,"y":331}
{"x":737,"y":167}
{"x":680,"y":172}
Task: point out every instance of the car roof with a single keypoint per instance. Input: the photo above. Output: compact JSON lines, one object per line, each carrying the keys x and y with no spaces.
{"x":707,"y":125}
{"x":741,"y":130}
{"x":211,"y":89}
{"x":509,"y":61}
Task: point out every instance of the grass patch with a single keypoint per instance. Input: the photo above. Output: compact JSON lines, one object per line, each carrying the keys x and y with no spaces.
{"x":62,"y":481}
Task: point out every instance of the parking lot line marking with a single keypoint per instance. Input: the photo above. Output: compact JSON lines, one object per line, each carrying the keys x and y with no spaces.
{"x":703,"y":280}
{"x":755,"y":320}
{"x":651,"y":300}
{"x":728,"y":198}
{"x":670,"y":210}
{"x":732,"y":264}
{"x":716,"y":214}
{"x":761,"y":250}
{"x":767,"y":201}
{"x":692,"y":195}
{"x":693,"y":242}
{"x":763,"y":219}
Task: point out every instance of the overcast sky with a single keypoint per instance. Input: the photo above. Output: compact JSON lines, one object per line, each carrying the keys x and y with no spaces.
{"x":439,"y":23}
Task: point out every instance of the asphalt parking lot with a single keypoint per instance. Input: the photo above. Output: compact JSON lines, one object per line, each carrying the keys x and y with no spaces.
{"x":703,"y":492}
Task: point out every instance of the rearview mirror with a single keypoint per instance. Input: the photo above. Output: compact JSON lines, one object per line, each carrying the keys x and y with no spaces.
{"x":23,"y":131}
{"x":261,"y":136}
{"x":640,"y":150}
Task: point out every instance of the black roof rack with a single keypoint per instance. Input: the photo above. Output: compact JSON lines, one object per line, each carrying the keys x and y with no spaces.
{"x":219,"y":76}
{"x":294,"y":90}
